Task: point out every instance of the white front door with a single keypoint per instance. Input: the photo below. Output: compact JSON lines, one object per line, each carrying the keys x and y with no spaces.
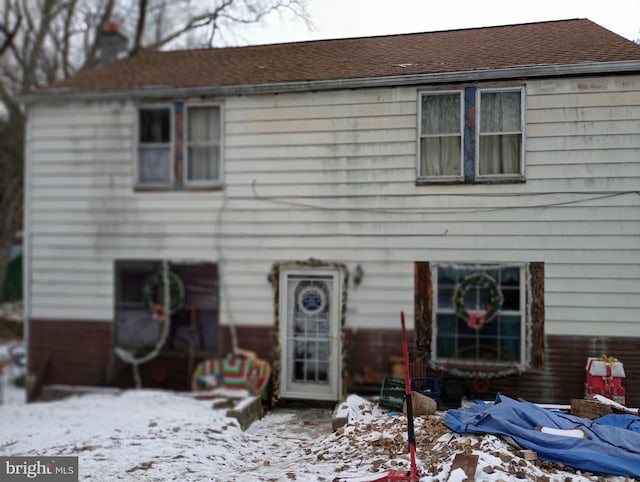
{"x":310,"y":309}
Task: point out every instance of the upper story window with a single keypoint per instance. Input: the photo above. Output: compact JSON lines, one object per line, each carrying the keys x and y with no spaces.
{"x":500,"y":134}
{"x":154,"y":145}
{"x":179,"y":146}
{"x":471,"y":135}
{"x":203,"y":144}
{"x":441,"y":135}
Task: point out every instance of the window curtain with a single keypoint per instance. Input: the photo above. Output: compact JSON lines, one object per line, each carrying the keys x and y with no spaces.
{"x":203,"y":140}
{"x":500,"y":133}
{"x":203,"y":163}
{"x":154,"y":164}
{"x":440,"y":146}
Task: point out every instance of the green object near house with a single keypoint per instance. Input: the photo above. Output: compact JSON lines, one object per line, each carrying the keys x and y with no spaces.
{"x":12,"y":287}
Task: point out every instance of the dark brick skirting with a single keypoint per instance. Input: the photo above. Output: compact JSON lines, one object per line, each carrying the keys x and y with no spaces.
{"x":80,"y":353}
{"x":564,"y":374}
{"x":370,"y":355}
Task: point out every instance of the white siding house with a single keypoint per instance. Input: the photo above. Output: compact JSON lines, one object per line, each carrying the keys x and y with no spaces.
{"x":333,"y":175}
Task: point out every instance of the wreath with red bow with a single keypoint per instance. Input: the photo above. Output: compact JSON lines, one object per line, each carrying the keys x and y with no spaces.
{"x":153,"y":294}
{"x":477,"y":318}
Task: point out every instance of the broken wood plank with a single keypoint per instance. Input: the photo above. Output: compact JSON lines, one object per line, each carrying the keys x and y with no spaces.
{"x":33,"y":390}
{"x":528,"y":455}
{"x":467,"y":463}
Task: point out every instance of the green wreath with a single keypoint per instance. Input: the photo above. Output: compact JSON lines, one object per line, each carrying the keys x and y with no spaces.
{"x":155,"y":283}
{"x":476,"y":319}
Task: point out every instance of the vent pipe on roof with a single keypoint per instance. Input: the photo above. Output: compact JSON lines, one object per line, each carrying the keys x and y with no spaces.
{"x":112,"y":45}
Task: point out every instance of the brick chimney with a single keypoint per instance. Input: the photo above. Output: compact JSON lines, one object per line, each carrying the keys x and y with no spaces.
{"x":112,"y":45}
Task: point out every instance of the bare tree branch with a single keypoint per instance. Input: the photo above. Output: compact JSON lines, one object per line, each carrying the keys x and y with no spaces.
{"x":142,"y":16}
{"x":66,"y":39}
{"x":10,"y":34}
{"x":91,"y":59}
{"x":193,"y":23}
{"x":30,"y":78}
{"x":228,"y":13}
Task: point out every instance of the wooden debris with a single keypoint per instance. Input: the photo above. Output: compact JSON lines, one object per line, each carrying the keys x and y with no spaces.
{"x":505,"y":457}
{"x":468,"y":464}
{"x":42,"y":368}
{"x":528,"y":455}
{"x":589,"y":408}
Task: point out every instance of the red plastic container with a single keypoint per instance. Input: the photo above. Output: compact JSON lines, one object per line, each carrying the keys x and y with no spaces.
{"x":604,"y":377}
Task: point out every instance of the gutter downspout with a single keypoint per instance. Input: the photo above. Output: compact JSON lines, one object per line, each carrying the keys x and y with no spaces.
{"x":26,"y":241}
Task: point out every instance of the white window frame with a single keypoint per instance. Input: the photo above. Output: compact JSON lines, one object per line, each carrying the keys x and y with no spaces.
{"x":476,"y":161}
{"x":139,"y":182}
{"x":525,"y":354}
{"x":473,"y":176}
{"x":423,"y":177}
{"x":185,"y":146}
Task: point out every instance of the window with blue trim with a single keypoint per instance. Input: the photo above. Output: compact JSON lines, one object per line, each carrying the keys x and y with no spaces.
{"x":179,"y":145}
{"x":471,"y":135}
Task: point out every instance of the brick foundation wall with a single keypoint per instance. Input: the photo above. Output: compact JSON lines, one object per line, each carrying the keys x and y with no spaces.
{"x":80,"y":353}
{"x":259,"y":339}
{"x":561,"y":380}
{"x":564,"y":373}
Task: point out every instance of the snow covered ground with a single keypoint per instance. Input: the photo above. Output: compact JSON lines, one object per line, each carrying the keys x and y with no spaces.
{"x":150,"y":435}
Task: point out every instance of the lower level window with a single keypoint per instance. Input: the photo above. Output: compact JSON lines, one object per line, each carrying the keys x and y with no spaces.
{"x":480,"y":315}
{"x":191,"y":309}
{"x":480,"y":319}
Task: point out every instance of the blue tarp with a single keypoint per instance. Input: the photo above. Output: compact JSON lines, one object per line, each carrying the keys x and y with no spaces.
{"x":628,"y":421}
{"x":608,"y":448}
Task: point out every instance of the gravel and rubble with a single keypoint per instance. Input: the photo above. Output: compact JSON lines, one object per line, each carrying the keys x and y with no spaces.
{"x":375,"y":439}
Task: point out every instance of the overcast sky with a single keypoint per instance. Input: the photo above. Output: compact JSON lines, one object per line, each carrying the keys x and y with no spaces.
{"x":356,"y":18}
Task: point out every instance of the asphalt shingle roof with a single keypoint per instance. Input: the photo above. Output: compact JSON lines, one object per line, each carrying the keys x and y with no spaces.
{"x":533,"y":44}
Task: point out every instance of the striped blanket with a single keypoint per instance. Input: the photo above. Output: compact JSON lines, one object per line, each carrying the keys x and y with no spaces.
{"x":239,"y":372}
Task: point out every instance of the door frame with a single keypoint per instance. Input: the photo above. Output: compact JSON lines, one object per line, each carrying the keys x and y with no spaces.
{"x":311,"y":266}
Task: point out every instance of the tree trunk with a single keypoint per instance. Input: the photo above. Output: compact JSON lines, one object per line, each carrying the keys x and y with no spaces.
{"x":5,"y":253}
{"x":11,"y":222}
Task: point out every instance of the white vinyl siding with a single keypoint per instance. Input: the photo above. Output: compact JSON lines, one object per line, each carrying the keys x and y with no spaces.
{"x":331,"y":175}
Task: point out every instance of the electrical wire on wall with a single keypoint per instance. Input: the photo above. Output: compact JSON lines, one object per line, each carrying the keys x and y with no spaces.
{"x":591,"y":196}
{"x":224,"y":291}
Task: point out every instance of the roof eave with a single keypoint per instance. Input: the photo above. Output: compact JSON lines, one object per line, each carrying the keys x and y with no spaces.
{"x":508,"y":73}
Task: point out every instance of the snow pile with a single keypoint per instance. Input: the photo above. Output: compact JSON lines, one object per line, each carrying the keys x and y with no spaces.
{"x":152,"y":435}
{"x":158,"y":435}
